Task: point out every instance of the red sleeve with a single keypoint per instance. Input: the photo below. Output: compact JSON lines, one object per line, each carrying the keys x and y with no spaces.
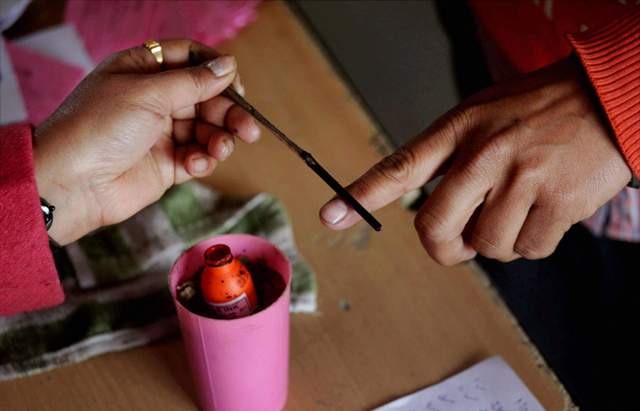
{"x":611,"y":57}
{"x":28,"y":276}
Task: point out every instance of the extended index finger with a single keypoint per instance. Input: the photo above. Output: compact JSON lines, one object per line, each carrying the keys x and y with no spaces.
{"x":407,"y":169}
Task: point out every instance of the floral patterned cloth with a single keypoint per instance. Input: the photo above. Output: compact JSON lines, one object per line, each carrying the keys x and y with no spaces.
{"x":115,"y":280}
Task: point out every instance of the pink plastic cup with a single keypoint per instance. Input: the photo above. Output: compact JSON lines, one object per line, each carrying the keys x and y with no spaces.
{"x":240,"y":364}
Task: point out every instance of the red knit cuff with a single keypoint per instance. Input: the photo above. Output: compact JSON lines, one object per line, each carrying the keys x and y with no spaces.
{"x":611,"y":57}
{"x":28,"y":276}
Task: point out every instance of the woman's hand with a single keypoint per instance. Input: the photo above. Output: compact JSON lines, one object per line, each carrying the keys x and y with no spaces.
{"x":522,"y":162}
{"x":130,"y":131}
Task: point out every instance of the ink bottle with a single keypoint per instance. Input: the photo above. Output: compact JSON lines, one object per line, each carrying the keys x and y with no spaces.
{"x":226,"y":284}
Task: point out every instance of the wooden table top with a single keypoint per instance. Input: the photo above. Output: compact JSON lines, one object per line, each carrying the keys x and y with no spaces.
{"x":411,"y":323}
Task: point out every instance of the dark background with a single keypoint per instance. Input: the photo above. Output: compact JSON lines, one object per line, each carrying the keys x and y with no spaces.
{"x":409,"y":60}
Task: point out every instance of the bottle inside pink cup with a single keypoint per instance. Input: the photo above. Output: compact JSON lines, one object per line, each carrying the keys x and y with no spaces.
{"x":243,"y":363}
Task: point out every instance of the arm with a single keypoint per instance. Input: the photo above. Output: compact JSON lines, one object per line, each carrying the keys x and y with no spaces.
{"x":28,"y":278}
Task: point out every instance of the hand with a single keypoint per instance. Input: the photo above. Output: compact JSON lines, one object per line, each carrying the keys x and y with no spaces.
{"x":522,"y":162}
{"x":130,"y":131}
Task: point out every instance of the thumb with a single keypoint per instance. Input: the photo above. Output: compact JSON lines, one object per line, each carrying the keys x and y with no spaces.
{"x":181,"y":88}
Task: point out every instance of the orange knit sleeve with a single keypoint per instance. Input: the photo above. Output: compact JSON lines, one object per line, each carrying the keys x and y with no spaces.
{"x":611,"y":57}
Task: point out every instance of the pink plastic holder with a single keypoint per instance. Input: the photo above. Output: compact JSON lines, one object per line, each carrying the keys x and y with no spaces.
{"x":240,"y":364}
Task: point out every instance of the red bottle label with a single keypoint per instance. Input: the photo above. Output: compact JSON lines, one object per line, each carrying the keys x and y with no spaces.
{"x":238,"y":307}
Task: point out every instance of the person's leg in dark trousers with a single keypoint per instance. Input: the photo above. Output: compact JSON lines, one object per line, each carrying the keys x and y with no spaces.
{"x":579,"y":307}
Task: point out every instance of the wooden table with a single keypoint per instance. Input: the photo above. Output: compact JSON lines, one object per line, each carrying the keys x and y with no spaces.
{"x":411,"y":323}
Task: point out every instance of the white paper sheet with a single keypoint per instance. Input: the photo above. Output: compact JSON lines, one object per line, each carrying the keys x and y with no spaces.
{"x":490,"y":385}
{"x":60,"y":42}
{"x":12,"y":108}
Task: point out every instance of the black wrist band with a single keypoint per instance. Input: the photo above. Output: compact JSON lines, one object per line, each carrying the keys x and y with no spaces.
{"x":47,"y":212}
{"x":635,"y":182}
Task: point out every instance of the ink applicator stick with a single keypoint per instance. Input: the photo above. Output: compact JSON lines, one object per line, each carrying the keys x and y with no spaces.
{"x":311,"y":162}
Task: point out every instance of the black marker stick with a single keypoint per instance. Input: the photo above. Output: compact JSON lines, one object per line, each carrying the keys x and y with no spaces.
{"x":308,"y":159}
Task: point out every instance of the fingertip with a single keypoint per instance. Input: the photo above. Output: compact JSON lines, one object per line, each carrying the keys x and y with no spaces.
{"x":467,"y":253}
{"x":334,"y":212}
{"x":200,"y":165}
{"x":242,"y":124}
{"x":337,"y":215}
{"x":221,"y":147}
{"x":253,"y":133}
{"x":238,"y":86}
{"x":222,"y":66}
{"x":219,"y":143}
{"x":447,"y":252}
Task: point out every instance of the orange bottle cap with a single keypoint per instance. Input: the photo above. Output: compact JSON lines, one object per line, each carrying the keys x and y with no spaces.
{"x":218,"y":255}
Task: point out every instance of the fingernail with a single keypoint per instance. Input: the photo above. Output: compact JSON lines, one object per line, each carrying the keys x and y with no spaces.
{"x":199,"y":164}
{"x":227,"y":148}
{"x":222,"y":66}
{"x":254,"y":133}
{"x":238,"y":87}
{"x":334,"y":211}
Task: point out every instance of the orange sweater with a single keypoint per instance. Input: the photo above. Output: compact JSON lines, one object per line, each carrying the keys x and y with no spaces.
{"x":605,"y":34}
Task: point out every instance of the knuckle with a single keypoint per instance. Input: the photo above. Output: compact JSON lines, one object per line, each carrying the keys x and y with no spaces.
{"x":485,"y":156}
{"x":528,"y":173}
{"x":489,"y":246}
{"x":197,"y":79}
{"x":440,"y":254}
{"x":507,"y":259}
{"x":523,"y":125}
{"x":442,"y":259}
{"x":136,"y":58}
{"x":530,"y":250}
{"x":559,"y":205}
{"x":137,"y":55}
{"x":458,"y":122}
{"x":533,"y":248}
{"x":429,"y":228}
{"x":566,"y":197}
{"x":496,"y":149}
{"x":397,"y":167}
